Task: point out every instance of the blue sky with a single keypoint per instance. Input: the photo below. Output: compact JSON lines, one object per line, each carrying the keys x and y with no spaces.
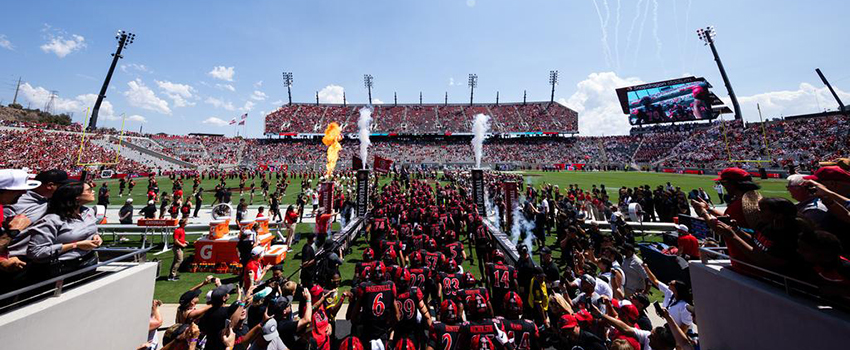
{"x":193,"y":61}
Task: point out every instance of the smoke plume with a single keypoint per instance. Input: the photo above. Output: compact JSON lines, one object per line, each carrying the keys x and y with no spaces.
{"x":364,"y":125}
{"x":333,"y":134}
{"x":479,"y":128}
{"x":521,"y":227}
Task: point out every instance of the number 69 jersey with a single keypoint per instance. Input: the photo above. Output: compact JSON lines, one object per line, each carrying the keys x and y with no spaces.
{"x":377,"y":302}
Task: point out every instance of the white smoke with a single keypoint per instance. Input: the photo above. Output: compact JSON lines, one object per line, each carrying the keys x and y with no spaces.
{"x":632,"y":28}
{"x":617,"y":37}
{"x":603,"y":25}
{"x":492,"y":210}
{"x":479,"y":128}
{"x":364,"y":124}
{"x":521,"y":226}
{"x":655,"y":31}
{"x":640,"y":32}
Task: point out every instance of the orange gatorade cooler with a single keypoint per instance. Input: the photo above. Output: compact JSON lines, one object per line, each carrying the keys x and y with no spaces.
{"x":264,"y":226}
{"x":219,"y":228}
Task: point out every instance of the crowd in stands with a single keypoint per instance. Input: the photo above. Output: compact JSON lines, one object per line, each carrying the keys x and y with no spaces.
{"x":779,"y":144}
{"x":424,"y":119}
{"x":38,"y":150}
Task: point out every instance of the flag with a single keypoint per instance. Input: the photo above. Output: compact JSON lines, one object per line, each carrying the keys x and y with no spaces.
{"x":242,"y":122}
{"x":233,"y":121}
{"x":245,"y":116}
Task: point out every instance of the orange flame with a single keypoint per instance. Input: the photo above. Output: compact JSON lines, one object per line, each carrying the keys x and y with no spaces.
{"x":333,"y":134}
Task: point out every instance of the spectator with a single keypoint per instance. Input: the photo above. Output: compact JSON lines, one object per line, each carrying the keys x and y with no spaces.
{"x":637,"y":280}
{"x":254,"y":271}
{"x":308,"y":262}
{"x":13,"y":185}
{"x":688,"y":244}
{"x":212,"y":323}
{"x":64,"y":239}
{"x":677,"y":299}
{"x":177,"y":246}
{"x":125,"y":214}
{"x":572,"y":336}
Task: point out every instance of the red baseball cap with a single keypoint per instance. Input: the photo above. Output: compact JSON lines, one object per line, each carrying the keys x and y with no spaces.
{"x":830,"y":173}
{"x":630,"y":311}
{"x":567,"y":321}
{"x":584,"y":316}
{"x":734,"y":174}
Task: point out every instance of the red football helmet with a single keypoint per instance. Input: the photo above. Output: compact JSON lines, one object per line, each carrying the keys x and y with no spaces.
{"x":404,"y":344}
{"x":448,"y":311}
{"x":368,"y":254}
{"x":379,"y":273}
{"x":513,"y":302}
{"x":470,"y":280}
{"x":498,"y":255}
{"x":482,"y":342}
{"x":452,"y":266}
{"x":390,"y":255}
{"x":351,"y":343}
{"x":404,"y":277}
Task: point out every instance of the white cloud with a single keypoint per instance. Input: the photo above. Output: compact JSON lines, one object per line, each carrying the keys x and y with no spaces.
{"x":219,"y":103}
{"x":137,"y":118}
{"x":143,"y":97}
{"x":470,"y":3}
{"x":59,"y":45}
{"x":225,"y":87}
{"x":451,"y":81}
{"x":38,"y":97}
{"x":258,"y":84}
{"x":215,"y":121}
{"x":5,"y":43}
{"x":277,"y":103}
{"x":806,"y":99}
{"x":258,"y":95}
{"x":134,"y":66}
{"x":222,"y":73}
{"x":248,"y":106}
{"x":178,"y":93}
{"x":599,"y":111}
{"x":377,"y":101}
{"x":331,"y":94}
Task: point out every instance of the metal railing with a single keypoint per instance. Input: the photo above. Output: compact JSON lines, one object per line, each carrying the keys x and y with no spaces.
{"x":791,"y":285}
{"x":58,"y":283}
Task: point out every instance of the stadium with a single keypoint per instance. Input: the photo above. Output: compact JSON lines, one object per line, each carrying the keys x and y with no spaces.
{"x":437,"y":225}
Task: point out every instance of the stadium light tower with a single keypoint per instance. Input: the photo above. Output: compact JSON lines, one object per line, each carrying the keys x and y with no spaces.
{"x":124,"y":39}
{"x":707,"y":35}
{"x":287,"y":81}
{"x":367,"y":81}
{"x":473,"y":83}
{"x":553,"y":80}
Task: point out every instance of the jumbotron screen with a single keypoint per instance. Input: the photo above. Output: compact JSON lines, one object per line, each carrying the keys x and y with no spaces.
{"x":684,"y":99}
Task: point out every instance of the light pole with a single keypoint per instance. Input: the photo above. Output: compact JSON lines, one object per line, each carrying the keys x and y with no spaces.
{"x":707,"y":35}
{"x":473,"y":83}
{"x":287,"y":81}
{"x":553,"y":80}
{"x":368,"y":81}
{"x":124,"y":39}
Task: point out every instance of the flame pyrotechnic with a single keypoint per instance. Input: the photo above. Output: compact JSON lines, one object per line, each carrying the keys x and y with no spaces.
{"x":333,"y":134}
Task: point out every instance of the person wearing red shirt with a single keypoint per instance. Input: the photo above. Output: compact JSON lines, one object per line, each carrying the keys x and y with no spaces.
{"x":177,"y":248}
{"x":688,"y":244}
{"x":290,"y":219}
{"x":323,"y":221}
{"x":254,"y":272}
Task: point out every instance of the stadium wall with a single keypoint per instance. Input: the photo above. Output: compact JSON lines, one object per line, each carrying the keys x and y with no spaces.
{"x":108,"y":313}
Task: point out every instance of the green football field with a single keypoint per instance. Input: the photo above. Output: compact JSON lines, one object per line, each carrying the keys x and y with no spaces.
{"x":169,"y":292}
